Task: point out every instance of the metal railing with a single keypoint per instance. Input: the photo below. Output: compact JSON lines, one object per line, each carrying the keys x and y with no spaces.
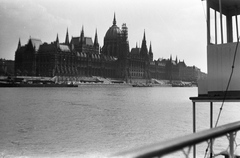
{"x":189,"y":141}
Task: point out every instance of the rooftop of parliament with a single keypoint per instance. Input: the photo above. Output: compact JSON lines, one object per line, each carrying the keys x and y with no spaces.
{"x":81,"y":57}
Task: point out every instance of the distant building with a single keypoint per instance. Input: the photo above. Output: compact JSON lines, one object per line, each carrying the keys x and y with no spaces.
{"x":6,"y":67}
{"x":81,"y":56}
{"x":25,"y":57}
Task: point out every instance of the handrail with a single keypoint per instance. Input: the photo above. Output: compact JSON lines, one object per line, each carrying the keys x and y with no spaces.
{"x":167,"y":147}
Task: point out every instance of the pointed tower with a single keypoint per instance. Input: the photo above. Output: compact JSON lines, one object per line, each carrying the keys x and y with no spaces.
{"x":19,"y":44}
{"x":169,"y":68}
{"x":150,"y":48}
{"x":150,"y":52}
{"x":144,"y":36}
{"x":96,"y":44}
{"x":82,"y":36}
{"x":67,"y":38}
{"x":144,"y":51}
{"x":176,"y":60}
{"x":57,"y":40}
{"x":96,"y":39}
{"x":114,"y":20}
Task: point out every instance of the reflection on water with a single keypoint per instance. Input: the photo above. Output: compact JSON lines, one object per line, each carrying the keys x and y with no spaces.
{"x":96,"y":121}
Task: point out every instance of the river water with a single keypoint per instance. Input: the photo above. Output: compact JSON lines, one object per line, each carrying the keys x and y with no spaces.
{"x":97,"y":121}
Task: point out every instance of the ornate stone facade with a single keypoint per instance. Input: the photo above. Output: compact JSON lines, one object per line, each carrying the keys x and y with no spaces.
{"x":81,"y":57}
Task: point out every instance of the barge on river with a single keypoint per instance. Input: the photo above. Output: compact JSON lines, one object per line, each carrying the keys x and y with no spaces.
{"x":31,"y":82}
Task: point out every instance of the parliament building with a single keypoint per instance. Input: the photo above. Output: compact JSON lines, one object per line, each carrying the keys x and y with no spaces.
{"x":83,"y":57}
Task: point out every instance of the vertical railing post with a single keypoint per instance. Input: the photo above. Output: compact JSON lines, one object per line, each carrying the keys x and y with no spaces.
{"x":211,"y":114}
{"x":194,"y":117}
{"x":211,"y":126}
{"x":194,"y":127}
{"x":231,"y":145}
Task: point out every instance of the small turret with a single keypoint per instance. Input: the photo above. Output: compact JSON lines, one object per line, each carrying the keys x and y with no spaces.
{"x":96,"y":44}
{"x":150,"y":52}
{"x":144,"y":36}
{"x":19,"y":44}
{"x":82,"y":36}
{"x":57,"y":40}
{"x":67,"y":38}
{"x":150,"y":48}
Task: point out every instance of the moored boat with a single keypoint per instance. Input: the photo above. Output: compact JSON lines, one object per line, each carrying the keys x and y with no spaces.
{"x":15,"y":82}
{"x":181,"y":84}
{"x":2,"y":84}
{"x":142,"y":85}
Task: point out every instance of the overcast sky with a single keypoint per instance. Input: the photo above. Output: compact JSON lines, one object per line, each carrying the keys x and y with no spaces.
{"x":174,"y":27}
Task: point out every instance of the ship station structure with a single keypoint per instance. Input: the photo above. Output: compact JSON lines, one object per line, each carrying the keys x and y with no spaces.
{"x":83,"y":57}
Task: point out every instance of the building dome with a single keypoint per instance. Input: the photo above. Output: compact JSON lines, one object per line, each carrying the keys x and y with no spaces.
{"x":113,"y":31}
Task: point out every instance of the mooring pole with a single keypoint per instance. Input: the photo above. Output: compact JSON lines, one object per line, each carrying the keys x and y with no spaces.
{"x":194,"y":127}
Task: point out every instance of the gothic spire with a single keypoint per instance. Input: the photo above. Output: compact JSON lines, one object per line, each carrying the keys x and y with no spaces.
{"x":82,"y":35}
{"x":82,"y":32}
{"x":150,"y":52}
{"x":114,"y":20}
{"x":67,"y":38}
{"x":150,"y":48}
{"x":144,"y":36}
{"x":96,"y":39}
{"x":19,"y":44}
{"x":144,"y":39}
{"x":176,"y":60}
{"x":57,"y":40}
{"x":144,"y":50}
